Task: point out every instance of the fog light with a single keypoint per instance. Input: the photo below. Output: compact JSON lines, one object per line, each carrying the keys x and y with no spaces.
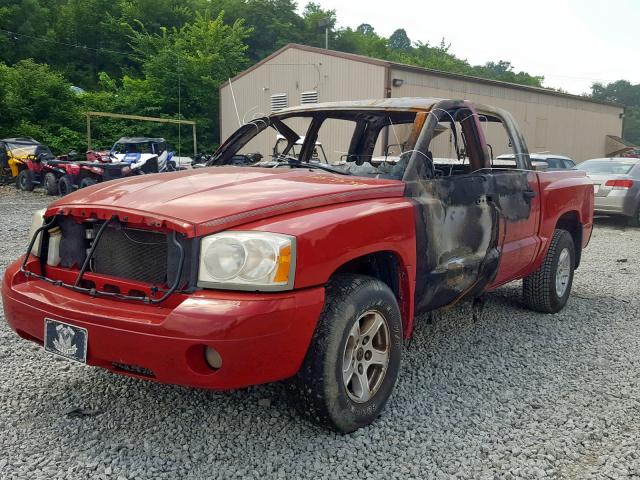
{"x":213,"y":358}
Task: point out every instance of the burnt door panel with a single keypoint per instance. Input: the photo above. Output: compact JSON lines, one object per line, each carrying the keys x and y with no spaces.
{"x":521,"y":240}
{"x":461,"y":223}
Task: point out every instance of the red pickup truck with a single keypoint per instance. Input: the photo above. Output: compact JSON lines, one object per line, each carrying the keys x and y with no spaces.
{"x":297,"y":267}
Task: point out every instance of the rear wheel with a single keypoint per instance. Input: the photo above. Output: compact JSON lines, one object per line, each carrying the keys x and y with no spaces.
{"x":50,"y":183}
{"x":548,"y":288}
{"x":87,"y":182}
{"x":25,"y":180}
{"x":354,"y":358}
{"x":634,"y":221}
{"x":65,"y":185}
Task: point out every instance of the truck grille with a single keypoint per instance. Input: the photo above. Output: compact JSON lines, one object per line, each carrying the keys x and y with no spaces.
{"x":132,"y":254}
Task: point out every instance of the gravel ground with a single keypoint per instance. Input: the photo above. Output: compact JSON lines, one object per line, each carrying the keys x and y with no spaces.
{"x":513,"y":394}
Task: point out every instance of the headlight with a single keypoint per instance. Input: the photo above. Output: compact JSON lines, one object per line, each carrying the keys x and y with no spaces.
{"x":247,"y":261}
{"x":37,"y":220}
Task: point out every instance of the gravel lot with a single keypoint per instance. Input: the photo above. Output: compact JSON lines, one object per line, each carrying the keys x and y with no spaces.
{"x":513,"y":394}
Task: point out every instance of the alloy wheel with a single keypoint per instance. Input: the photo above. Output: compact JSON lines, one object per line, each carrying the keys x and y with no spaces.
{"x":563,"y":272}
{"x":366,"y":356}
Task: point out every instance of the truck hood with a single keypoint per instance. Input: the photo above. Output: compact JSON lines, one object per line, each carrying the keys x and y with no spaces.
{"x":206,"y":200}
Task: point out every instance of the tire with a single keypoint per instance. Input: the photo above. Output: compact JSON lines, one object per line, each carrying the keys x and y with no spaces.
{"x":87,"y":182}
{"x":65,"y":185}
{"x":545,"y":290}
{"x":24,"y":181}
{"x":50,"y":183}
{"x":634,"y":221}
{"x":321,"y":393}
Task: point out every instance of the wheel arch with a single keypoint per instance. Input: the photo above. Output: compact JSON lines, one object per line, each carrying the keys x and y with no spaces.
{"x":570,"y":221}
{"x":386,"y":266}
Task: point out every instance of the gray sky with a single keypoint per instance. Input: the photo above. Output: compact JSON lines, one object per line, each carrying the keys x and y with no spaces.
{"x":571,"y":43}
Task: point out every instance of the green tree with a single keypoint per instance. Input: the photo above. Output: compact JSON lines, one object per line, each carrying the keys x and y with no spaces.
{"x":35,"y":101}
{"x":503,"y":70}
{"x":273,"y":23}
{"x":23,"y":22}
{"x":184,"y":67}
{"x":628,"y":94}
{"x":400,"y":41}
{"x":85,"y":23}
{"x":312,"y":33}
{"x":438,"y":58}
{"x":363,"y":41}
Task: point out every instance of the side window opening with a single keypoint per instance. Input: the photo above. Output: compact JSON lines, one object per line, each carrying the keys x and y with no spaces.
{"x":456,"y":146}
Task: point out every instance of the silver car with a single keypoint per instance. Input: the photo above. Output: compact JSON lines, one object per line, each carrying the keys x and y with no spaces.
{"x":548,"y":161}
{"x":616,"y":185}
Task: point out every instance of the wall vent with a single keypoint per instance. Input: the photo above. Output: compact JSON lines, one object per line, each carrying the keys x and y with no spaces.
{"x":308,"y":97}
{"x":279,"y":101}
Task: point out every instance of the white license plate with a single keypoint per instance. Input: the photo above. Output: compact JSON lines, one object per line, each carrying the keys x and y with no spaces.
{"x":65,"y":340}
{"x":596,"y":188}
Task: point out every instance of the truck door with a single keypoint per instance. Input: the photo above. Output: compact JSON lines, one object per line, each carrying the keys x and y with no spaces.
{"x":521,"y":241}
{"x":463,"y":208}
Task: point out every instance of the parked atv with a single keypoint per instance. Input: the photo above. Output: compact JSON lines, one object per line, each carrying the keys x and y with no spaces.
{"x":144,"y":154}
{"x":21,"y":161}
{"x":66,"y":176}
{"x":34,"y":171}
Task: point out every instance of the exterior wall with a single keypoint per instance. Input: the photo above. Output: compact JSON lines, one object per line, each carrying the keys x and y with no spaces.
{"x":292,"y":72}
{"x":560,"y":125}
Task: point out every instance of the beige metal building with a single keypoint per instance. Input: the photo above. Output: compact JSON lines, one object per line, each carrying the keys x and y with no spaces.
{"x":297,"y":74}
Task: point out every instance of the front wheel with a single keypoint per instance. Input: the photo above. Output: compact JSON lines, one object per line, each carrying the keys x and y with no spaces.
{"x":354,"y":358}
{"x":87,"y":182}
{"x":25,"y":180}
{"x":65,"y":185}
{"x":50,"y":183}
{"x":548,"y":288}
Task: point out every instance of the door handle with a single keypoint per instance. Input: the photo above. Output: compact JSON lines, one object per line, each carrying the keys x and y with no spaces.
{"x":529,"y":193}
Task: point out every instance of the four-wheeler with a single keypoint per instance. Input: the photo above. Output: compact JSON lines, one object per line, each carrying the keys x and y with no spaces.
{"x":616,"y":186}
{"x":21,"y":160}
{"x":225,"y":277}
{"x":144,"y":154}
{"x":67,"y":176}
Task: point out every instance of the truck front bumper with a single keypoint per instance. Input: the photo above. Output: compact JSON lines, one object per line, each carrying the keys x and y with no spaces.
{"x":261,"y":337}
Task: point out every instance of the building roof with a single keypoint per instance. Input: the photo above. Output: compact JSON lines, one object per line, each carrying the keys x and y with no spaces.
{"x":616,"y":146}
{"x":395,"y":103}
{"x":413,"y":68}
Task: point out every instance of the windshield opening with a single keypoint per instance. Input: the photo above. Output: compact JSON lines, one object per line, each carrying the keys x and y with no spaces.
{"x":356,"y":142}
{"x":133,"y":148}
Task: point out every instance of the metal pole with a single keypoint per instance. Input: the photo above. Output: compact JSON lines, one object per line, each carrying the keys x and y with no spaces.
{"x":326,"y":37}
{"x":195,"y":142}
{"x":88,"y":132}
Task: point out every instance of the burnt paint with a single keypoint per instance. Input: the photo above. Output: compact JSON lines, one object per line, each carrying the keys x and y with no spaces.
{"x":458,"y":225}
{"x":461,"y":219}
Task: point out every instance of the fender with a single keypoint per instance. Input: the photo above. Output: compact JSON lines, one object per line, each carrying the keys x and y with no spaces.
{"x":329,"y":237}
{"x":563,"y":192}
